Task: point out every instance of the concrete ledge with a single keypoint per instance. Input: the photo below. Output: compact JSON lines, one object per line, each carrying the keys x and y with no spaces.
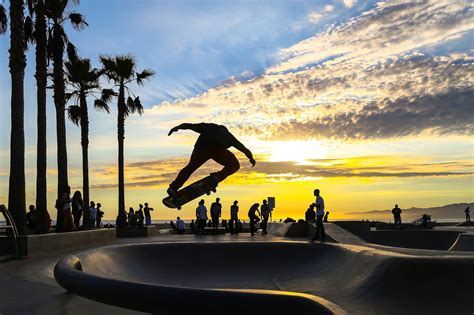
{"x":211,"y":231}
{"x":32,"y":245}
{"x":137,"y":231}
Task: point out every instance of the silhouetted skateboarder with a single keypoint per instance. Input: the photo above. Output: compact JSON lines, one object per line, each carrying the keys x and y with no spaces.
{"x":213,"y":142}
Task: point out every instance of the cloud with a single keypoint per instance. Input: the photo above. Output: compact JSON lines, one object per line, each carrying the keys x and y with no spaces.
{"x":328,"y":8}
{"x":370,"y":77}
{"x":162,"y":172}
{"x":314,"y":17}
{"x":349,"y":3}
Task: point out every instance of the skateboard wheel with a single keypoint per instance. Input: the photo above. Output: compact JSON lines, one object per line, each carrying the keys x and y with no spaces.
{"x":208,"y":193}
{"x":179,"y":208}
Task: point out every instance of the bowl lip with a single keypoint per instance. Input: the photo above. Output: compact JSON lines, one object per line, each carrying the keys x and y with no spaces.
{"x":68,"y":273}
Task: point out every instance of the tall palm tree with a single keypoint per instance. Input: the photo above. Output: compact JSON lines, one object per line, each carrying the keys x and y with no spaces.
{"x":121,"y":71}
{"x":38,"y":35}
{"x":16,"y":192}
{"x":83,"y":81}
{"x":57,"y":17}
{"x":3,"y":20}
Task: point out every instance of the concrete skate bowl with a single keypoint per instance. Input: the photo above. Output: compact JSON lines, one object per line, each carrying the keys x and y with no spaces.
{"x":269,"y":278}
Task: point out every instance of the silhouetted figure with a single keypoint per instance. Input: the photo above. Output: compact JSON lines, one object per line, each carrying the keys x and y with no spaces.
{"x":192,"y":227}
{"x":397,"y":216}
{"x":253,"y":218}
{"x":326,"y":216}
{"x":467,"y":211}
{"x":130,"y":216}
{"x":240,"y":226}
{"x":92,"y":214}
{"x":424,"y":220}
{"x":201,"y":215}
{"x":180,"y":225}
{"x":234,"y":217}
{"x":100,"y":214}
{"x":140,"y":214}
{"x":147,"y":210}
{"x":310,"y":214}
{"x":173,"y":226}
{"x":216,"y":210}
{"x":319,"y":205}
{"x":32,"y":217}
{"x":265,"y":212}
{"x":77,"y":208}
{"x":212,"y":143}
{"x":67,"y":211}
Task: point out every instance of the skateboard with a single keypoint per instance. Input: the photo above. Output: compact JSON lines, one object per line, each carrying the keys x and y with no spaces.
{"x":191,"y":192}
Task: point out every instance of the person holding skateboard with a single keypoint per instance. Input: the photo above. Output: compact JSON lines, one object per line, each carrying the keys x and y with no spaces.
{"x":213,"y":143}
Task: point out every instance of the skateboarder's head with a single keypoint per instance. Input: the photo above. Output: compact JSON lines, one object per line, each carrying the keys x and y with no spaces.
{"x":396,"y":206}
{"x":264,"y":201}
{"x":218,"y":199}
{"x":235,"y":202}
{"x":201,"y":202}
{"x":146,"y":204}
{"x":140,"y":205}
{"x":316,"y":192}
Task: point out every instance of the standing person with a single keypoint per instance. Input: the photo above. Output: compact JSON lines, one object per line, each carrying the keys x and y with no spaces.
{"x":253,"y":217}
{"x":31,"y":218}
{"x":141,"y":216}
{"x":212,"y":143}
{"x":147,"y":213}
{"x":265,"y":212}
{"x":100,"y":214}
{"x":310,"y":214}
{"x":92,"y":214}
{"x":468,"y":216}
{"x":319,"y":204}
{"x":397,"y":217}
{"x":216,"y":210}
{"x":234,"y":217}
{"x":66,"y":201}
{"x":77,"y":208}
{"x":180,"y":225}
{"x":201,"y":215}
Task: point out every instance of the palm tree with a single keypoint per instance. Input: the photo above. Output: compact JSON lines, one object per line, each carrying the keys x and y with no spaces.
{"x":56,"y":13}
{"x":37,"y":12}
{"x":3,"y":19}
{"x":121,"y":71}
{"x":84,"y":81}
{"x":16,"y":192}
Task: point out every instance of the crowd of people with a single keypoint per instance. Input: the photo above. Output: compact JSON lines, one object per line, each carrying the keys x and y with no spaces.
{"x":139,"y":217}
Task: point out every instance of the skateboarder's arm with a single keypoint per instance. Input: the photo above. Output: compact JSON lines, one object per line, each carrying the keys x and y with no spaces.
{"x":239,"y":146}
{"x":186,"y":126}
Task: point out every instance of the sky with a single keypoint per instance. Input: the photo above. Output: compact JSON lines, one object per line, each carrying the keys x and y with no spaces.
{"x":369,"y":101}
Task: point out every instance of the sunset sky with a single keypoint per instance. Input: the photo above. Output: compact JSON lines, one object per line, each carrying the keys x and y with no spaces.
{"x":371,"y":102}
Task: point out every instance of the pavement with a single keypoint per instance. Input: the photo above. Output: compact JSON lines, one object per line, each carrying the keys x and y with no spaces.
{"x":359,"y":279}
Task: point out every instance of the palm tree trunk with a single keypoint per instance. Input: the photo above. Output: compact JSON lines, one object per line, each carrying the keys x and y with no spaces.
{"x":16,"y":192}
{"x":121,"y":136}
{"x":41,"y":81}
{"x":85,"y":157}
{"x":59,"y":102}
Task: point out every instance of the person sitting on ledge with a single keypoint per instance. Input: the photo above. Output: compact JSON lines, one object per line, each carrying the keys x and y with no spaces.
{"x":180,"y":225}
{"x":31,"y":217}
{"x":326,"y":216}
{"x":310,"y":214}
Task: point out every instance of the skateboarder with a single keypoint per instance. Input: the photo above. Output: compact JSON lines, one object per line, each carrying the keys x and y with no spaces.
{"x":234,"y":217}
{"x":397,"y":216}
{"x":265,"y":212}
{"x":212,"y":143}
{"x":253,"y":217}
{"x":468,"y":216}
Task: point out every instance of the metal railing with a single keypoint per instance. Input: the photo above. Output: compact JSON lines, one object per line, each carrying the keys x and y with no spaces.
{"x":11,"y":224}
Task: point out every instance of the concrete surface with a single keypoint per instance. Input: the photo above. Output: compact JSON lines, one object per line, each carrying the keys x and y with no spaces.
{"x":137,"y":231}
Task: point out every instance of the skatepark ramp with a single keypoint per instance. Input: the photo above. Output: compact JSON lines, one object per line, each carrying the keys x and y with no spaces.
{"x":341,"y":235}
{"x":464,"y":243}
{"x":270,"y":277}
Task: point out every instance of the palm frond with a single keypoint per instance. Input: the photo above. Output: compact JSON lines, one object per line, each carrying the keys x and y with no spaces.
{"x":144,"y":75}
{"x":3,"y":19}
{"x":31,"y":7}
{"x":107,"y":95}
{"x":78,"y":21}
{"x":71,"y":52}
{"x":134,"y":105}
{"x":74,"y":114}
{"x":101,"y":105}
{"x":125,"y":66}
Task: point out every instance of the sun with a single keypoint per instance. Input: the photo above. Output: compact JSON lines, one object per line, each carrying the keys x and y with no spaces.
{"x":299,"y":151}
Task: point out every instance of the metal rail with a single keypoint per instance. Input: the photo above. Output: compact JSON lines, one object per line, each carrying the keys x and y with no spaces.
{"x":11,"y":224}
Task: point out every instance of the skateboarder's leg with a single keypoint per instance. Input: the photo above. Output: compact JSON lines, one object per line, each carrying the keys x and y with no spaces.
{"x":198,"y":158}
{"x":228,"y":160}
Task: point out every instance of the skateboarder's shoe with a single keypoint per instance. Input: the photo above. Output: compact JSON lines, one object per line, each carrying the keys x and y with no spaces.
{"x":171,"y":192}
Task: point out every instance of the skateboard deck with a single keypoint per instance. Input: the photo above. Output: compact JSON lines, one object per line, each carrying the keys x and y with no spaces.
{"x":191,"y":192}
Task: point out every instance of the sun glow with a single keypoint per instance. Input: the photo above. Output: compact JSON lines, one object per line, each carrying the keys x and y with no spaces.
{"x":297,"y":151}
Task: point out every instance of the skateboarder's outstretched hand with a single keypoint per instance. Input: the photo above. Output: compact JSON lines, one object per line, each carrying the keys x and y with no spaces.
{"x":174,"y":129}
{"x":252,"y":161}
